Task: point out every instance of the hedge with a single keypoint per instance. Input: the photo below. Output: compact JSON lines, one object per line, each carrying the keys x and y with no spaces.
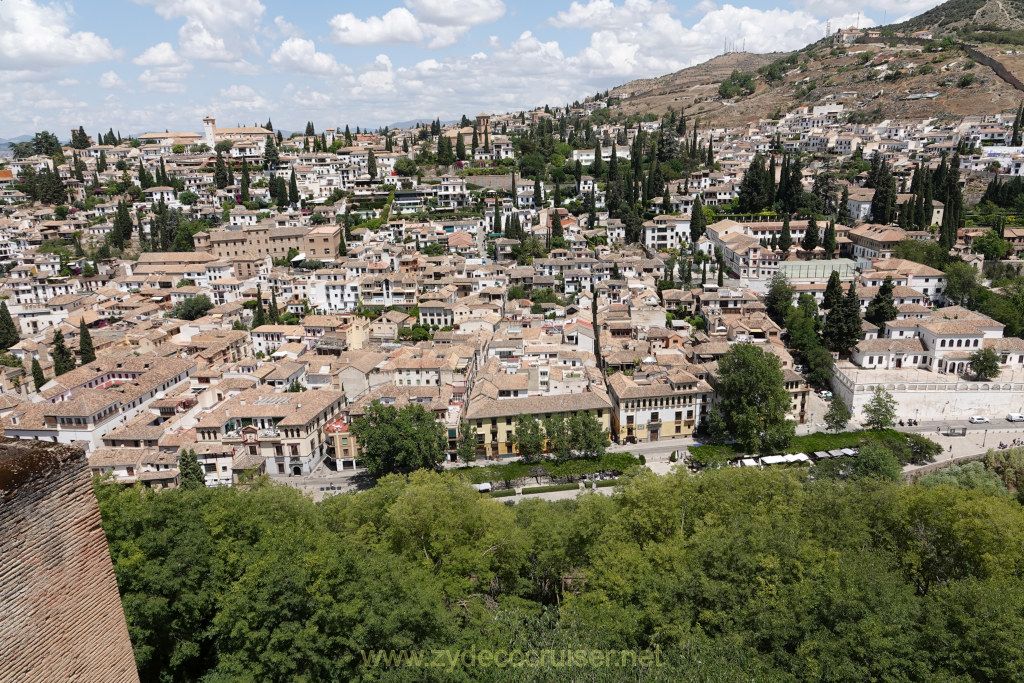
{"x":606,"y":483}
{"x":547,"y":489}
{"x":504,"y":493}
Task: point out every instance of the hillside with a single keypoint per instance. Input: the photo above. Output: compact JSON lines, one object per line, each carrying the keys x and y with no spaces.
{"x":959,"y":15}
{"x":876,"y":81}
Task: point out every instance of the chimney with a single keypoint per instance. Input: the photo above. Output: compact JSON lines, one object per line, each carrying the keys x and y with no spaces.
{"x":298,"y":406}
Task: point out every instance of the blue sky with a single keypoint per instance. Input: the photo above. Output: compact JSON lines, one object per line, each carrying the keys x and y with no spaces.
{"x":145,"y":65}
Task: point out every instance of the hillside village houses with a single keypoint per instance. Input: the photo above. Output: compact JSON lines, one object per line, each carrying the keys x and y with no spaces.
{"x":406,"y":289}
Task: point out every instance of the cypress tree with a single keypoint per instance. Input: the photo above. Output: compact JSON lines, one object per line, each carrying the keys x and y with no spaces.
{"x":9,"y":335}
{"x":275,"y":313}
{"x":270,"y":154}
{"x":882,"y":307}
{"x":538,"y":192}
{"x":85,"y":349}
{"x":833,"y":291}
{"x":245,"y":181}
{"x":293,"y":189}
{"x":38,"y":378}
{"x":191,"y":476}
{"x":785,"y":238}
{"x":371,"y":164}
{"x":220,"y":173}
{"x":63,"y":361}
{"x":829,"y":241}
{"x":844,"y":207}
{"x":1015,"y":139}
{"x":460,"y":148}
{"x":698,"y":222}
{"x":259,"y":316}
{"x":811,"y":238}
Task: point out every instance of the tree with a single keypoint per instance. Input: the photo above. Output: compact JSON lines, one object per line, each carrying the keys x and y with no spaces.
{"x":528,"y":438}
{"x":63,"y":361}
{"x":779,"y":299}
{"x":404,"y":166}
{"x":193,"y":308}
{"x":245,"y":181}
{"x":1018,"y":122}
{"x":876,"y":461}
{"x":466,"y":449}
{"x":842,"y":328}
{"x":85,"y":348}
{"x":293,"y":189}
{"x":698,"y":223}
{"x":810,"y":240}
{"x":785,"y":236}
{"x":961,"y":281}
{"x":371,"y":164}
{"x":838,"y":415}
{"x":190,"y":472}
{"x":9,"y":335}
{"x":880,"y":410}
{"x":556,"y":432}
{"x":984,"y":364}
{"x":38,"y":378}
{"x":295,"y":387}
{"x":882,"y":307}
{"x":392,"y":439}
{"x":833,"y":291}
{"x":829,"y":242}
{"x":271,"y":157}
{"x":220,"y":172}
{"x":753,"y":404}
{"x":274,"y":314}
{"x":587,"y":437}
{"x":259,"y":314}
{"x":990,"y":245}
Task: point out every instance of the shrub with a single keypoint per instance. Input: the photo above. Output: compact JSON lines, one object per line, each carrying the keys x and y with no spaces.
{"x":548,"y":489}
{"x":504,"y":493}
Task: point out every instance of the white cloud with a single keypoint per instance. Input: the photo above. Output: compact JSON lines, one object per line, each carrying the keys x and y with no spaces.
{"x":300,"y":56}
{"x":159,"y":55}
{"x":396,"y":26}
{"x":67,"y":82}
{"x":219,"y":31}
{"x":110,"y":79}
{"x":37,"y":36}
{"x":461,"y":13}
{"x":438,"y":23}
{"x":605,"y":14}
{"x":286,"y":28}
{"x":239,"y":98}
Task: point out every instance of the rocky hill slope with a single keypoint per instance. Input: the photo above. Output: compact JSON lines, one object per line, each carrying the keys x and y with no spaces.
{"x":887,"y":78}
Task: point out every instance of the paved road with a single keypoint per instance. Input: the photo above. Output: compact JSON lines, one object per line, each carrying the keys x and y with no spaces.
{"x":978,"y":439}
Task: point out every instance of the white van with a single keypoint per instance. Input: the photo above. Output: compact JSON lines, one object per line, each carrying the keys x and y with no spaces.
{"x":1015,"y":417}
{"x":484,"y":487}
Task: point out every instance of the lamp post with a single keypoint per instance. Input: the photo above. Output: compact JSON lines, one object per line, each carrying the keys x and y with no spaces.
{"x":984,"y":439}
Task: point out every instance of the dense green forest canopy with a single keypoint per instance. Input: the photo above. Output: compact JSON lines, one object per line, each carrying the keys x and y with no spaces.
{"x":731,"y":575}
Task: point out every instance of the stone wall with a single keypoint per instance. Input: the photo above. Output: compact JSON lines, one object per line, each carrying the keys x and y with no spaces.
{"x":947,"y":398}
{"x":60,"y":612}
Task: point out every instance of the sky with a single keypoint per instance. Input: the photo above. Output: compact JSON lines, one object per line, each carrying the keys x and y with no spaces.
{"x":151,"y":65}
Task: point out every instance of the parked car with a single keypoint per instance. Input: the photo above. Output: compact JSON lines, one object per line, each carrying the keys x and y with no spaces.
{"x":827,"y":395}
{"x":978,"y":419}
{"x":1015,"y":417}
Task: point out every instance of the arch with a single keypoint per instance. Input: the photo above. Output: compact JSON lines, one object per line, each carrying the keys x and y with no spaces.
{"x":297,"y":471}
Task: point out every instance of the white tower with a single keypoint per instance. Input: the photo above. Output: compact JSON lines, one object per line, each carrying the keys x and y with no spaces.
{"x":209,"y":126}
